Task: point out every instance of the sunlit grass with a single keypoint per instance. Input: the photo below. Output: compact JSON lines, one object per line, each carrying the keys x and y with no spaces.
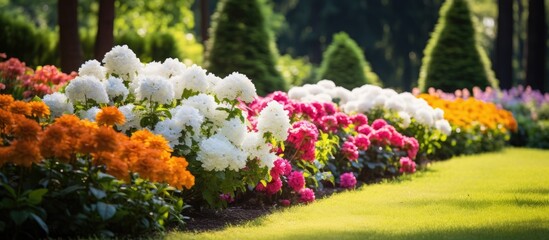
{"x":502,"y":195}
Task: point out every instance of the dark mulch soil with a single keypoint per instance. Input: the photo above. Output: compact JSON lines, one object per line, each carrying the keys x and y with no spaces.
{"x":207,"y":220}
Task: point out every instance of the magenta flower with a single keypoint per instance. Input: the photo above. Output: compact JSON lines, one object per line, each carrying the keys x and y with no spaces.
{"x":306,"y":195}
{"x":285,"y":202}
{"x":350,"y":151}
{"x":378,"y":124}
{"x":281,"y":167}
{"x":364,"y":129}
{"x":362,"y":141}
{"x":329,"y":108}
{"x":274,"y":186}
{"x":359,"y":119}
{"x":407,"y":165}
{"x":329,"y":123}
{"x":296,"y":181}
{"x":347,"y":180}
{"x":342,"y":119}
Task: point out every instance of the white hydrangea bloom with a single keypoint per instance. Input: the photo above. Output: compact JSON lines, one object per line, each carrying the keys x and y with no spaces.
{"x":194,"y":78}
{"x":155,"y":89}
{"x":443,"y":126}
{"x":217,"y":153}
{"x":235,"y":86}
{"x":58,"y":104}
{"x":204,"y":103}
{"x":327,"y":84}
{"x":218,"y":116}
{"x":395,"y":103}
{"x":235,"y":130}
{"x":424,"y":116}
{"x":297,"y":93}
{"x":438,"y":114}
{"x":115,"y":87}
{"x":89,"y":114}
{"x":122,"y":61}
{"x":379,"y":101}
{"x":274,"y":119}
{"x":313,"y":89}
{"x":92,"y":68}
{"x":255,"y":145}
{"x":173,"y":67}
{"x":188,"y":116}
{"x":212,"y":80}
{"x":154,"y":69}
{"x":84,"y":88}
{"x":364,"y":106}
{"x":132,"y":119}
{"x":170,"y":129}
{"x":342,"y":94}
{"x":406,"y":119}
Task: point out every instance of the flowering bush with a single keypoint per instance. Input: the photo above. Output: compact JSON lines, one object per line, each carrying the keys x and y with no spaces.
{"x":75,"y":176}
{"x":22,"y":82}
{"x":324,"y":143}
{"x":409,"y":115}
{"x":478,"y":126}
{"x":196,"y":112}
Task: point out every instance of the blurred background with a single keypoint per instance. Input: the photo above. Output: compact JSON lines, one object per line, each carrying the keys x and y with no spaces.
{"x":391,"y":34}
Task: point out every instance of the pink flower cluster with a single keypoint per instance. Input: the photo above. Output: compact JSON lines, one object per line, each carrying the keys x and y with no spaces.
{"x":306,"y":195}
{"x":281,"y":168}
{"x":407,"y":165}
{"x":380,"y":133}
{"x":45,"y":80}
{"x":347,"y":180}
{"x":303,"y":136}
{"x":296,"y":181}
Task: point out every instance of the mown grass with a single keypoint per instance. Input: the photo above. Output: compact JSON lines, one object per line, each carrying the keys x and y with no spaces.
{"x":502,"y":195}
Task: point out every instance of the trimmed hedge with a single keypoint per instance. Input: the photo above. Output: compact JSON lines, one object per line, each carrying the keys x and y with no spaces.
{"x":240,"y":42}
{"x":345,"y":64}
{"x":453,"y":57}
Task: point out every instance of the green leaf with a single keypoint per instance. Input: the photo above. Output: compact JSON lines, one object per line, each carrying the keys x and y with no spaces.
{"x":19,"y":216}
{"x":67,"y":190}
{"x":35,"y":197}
{"x":10,"y":190}
{"x":98,"y":193}
{"x":40,"y":222}
{"x":106,"y":211}
{"x":7,"y":203}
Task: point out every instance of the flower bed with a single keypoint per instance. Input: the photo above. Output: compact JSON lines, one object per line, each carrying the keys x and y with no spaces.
{"x":155,"y":134}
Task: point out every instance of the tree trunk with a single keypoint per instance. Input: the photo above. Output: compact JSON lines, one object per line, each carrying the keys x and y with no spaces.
{"x":204,"y":20}
{"x":104,"y":39}
{"x":69,"y":40}
{"x":535,"y":48}
{"x":503,"y":62}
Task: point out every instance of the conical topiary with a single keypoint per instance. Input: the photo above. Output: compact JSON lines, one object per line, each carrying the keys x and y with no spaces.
{"x":453,"y":57}
{"x":344,"y":63}
{"x":240,"y":43}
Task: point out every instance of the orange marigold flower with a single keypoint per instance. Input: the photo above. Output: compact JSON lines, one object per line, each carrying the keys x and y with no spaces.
{"x":5,"y":100}
{"x":141,"y":135}
{"x":116,"y":167}
{"x":6,"y":118}
{"x":158,"y":142}
{"x":55,"y":143}
{"x":179,"y":176}
{"x":20,"y":107}
{"x":25,"y":153}
{"x":110,"y":116}
{"x":26,"y":129}
{"x":67,"y":120}
{"x":39,"y":109}
{"x":150,"y":165}
{"x":106,"y":139}
{"x":6,"y":154}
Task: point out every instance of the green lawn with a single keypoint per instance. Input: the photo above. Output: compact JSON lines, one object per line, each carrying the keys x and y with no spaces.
{"x":502,"y":195}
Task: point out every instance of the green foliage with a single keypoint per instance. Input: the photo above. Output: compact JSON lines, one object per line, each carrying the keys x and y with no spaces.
{"x":76,"y":200}
{"x":240,"y":41}
{"x":294,"y":70}
{"x":21,"y":39}
{"x":344,"y":63}
{"x":538,"y":135}
{"x":453,"y":57}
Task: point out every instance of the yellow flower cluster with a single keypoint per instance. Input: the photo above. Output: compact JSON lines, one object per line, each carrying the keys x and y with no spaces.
{"x":470,"y":113}
{"x":25,"y":143}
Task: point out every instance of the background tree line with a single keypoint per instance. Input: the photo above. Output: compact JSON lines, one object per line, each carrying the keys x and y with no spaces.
{"x":392,"y":34}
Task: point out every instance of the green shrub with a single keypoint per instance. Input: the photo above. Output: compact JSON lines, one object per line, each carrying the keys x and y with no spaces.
{"x":538,"y":135}
{"x":21,"y":39}
{"x":543,"y":112}
{"x":294,"y":70}
{"x":162,"y":45}
{"x":453,"y":57}
{"x":240,"y":41}
{"x":344,"y":63}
